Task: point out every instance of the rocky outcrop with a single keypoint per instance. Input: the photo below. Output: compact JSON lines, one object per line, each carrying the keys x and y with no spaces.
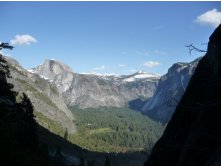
{"x":169,"y":91}
{"x":88,"y":90}
{"x":44,"y":96}
{"x":192,"y":136}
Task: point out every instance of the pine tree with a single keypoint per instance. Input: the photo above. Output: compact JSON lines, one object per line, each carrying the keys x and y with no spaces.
{"x":66,"y":134}
{"x":28,"y":136}
{"x":5,"y":46}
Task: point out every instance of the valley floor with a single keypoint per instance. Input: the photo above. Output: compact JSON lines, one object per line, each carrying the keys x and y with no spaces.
{"x":117,"y":130}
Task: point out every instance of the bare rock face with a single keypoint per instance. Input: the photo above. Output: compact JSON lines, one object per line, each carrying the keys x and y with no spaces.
{"x":193,"y":136}
{"x":89,"y":90}
{"x":58,"y":72}
{"x":44,"y":96}
{"x":169,"y":91}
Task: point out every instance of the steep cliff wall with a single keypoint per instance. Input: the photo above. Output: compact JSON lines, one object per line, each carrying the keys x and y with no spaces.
{"x":193,"y":136}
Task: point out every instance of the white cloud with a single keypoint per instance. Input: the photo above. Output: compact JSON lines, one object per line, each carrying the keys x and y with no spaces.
{"x":151,"y":64}
{"x":122,"y":65}
{"x":100,"y":68}
{"x":23,"y":40}
{"x":211,"y":18}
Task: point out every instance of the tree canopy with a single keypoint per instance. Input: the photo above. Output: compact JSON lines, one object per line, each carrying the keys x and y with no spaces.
{"x":6,"y":46}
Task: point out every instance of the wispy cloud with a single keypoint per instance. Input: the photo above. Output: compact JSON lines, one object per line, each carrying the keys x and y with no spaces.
{"x":151,"y":64}
{"x":157,"y":52}
{"x":23,"y":40}
{"x":211,"y":18}
{"x":100,"y":68}
{"x":145,"y":53}
{"x":122,"y":65}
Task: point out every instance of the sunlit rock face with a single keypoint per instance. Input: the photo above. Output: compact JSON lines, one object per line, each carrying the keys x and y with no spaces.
{"x":169,"y":91}
{"x":91,"y":90}
{"x":43,"y":94}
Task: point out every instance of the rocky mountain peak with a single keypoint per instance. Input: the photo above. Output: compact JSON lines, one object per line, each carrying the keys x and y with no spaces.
{"x":56,"y":71}
{"x":170,"y":89}
{"x":53,"y":66}
{"x":183,"y":67}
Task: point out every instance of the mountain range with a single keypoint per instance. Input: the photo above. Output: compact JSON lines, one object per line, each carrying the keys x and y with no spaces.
{"x":89,"y":90}
{"x":53,"y":87}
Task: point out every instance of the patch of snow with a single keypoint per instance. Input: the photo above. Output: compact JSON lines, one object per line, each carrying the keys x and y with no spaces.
{"x":31,"y":71}
{"x":131,"y":79}
{"x":140,"y":75}
{"x":44,"y":77}
{"x":144,"y":75}
{"x":104,"y":76}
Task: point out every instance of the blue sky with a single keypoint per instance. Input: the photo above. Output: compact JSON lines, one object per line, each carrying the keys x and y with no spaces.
{"x":107,"y":37}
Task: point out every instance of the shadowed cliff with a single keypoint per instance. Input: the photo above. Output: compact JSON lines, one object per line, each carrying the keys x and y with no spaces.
{"x":18,"y":129}
{"x":193,"y":136}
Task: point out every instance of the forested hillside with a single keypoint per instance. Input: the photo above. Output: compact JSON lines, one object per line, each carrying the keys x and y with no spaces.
{"x":114,"y":130}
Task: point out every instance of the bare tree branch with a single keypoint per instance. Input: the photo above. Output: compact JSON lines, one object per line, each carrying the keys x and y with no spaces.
{"x":193,"y":48}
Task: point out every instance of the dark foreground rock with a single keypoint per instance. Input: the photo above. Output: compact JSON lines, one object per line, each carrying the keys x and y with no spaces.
{"x":193,"y":136}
